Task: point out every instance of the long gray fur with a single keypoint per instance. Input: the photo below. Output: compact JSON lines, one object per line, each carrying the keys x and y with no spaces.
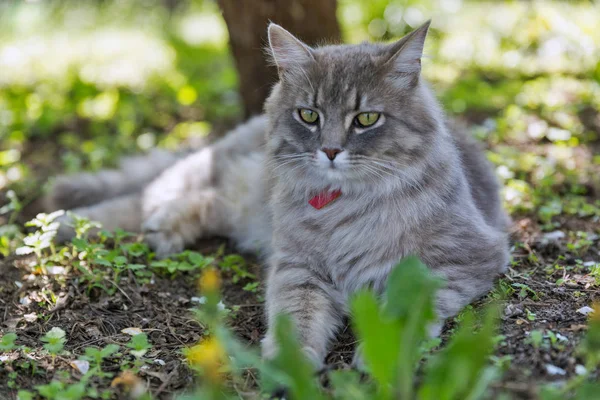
{"x":410,"y":185}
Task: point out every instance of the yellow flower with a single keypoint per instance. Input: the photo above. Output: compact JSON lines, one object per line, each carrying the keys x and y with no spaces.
{"x":210,"y":281}
{"x":595,"y":315}
{"x":209,"y":356}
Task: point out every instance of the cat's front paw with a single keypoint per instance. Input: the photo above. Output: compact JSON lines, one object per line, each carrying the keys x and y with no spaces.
{"x":270,"y":350}
{"x":164,"y":244}
{"x":358,"y":361}
{"x":160,"y":235}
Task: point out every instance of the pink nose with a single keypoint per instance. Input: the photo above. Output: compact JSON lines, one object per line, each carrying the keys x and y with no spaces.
{"x":331,"y":153}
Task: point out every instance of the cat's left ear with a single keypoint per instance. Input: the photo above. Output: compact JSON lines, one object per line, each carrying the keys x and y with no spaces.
{"x":406,"y":53}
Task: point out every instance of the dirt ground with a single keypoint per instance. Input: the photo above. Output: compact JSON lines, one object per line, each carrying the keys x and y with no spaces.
{"x":162,"y":310}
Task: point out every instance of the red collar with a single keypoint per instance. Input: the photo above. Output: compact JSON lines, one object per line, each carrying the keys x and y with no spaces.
{"x":324,"y":198}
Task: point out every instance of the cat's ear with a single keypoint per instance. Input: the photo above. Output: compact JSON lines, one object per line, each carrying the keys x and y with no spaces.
{"x":286,"y":50}
{"x":405,"y":54}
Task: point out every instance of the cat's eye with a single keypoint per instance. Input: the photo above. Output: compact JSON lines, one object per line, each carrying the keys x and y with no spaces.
{"x":309,"y":116}
{"x":366,"y":119}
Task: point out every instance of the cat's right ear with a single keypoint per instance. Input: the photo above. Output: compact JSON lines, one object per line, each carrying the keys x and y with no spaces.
{"x":286,"y":50}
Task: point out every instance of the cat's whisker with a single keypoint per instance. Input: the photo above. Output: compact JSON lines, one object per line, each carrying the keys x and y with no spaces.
{"x":393,"y":165}
{"x":283,"y":164}
{"x":307,"y":80}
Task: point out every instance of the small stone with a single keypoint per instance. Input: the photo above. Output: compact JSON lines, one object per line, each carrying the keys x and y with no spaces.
{"x":580,"y":369}
{"x":25,"y":301}
{"x":159,"y":362}
{"x":585,"y":310}
{"x":554,"y":370}
{"x":56,"y":270}
{"x":199,"y":300}
{"x":553,"y":236}
{"x":562,"y":338}
{"x":81,"y":365}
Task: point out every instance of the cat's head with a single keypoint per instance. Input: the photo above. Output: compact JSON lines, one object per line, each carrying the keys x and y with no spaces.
{"x":349,"y":113}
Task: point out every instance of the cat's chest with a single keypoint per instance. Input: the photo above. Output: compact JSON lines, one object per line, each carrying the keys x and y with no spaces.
{"x":344,"y":237}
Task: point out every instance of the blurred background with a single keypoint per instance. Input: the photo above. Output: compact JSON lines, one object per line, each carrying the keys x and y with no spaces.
{"x":84,"y":82}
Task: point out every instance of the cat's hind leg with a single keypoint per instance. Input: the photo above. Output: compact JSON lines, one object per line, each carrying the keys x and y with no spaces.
{"x":209,"y":193}
{"x":201,"y":213}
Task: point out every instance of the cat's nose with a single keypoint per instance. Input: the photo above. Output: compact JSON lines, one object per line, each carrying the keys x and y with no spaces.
{"x":331,"y":153}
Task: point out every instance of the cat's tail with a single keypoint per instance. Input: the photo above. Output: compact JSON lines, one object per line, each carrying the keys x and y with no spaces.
{"x":124,"y":212}
{"x":134,"y":173}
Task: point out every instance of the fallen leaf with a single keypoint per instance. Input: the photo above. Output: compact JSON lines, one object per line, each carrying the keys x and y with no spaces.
{"x":132,"y":331}
{"x":32,"y":317}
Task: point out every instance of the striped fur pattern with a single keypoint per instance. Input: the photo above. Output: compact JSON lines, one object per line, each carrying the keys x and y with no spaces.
{"x":409,"y":183}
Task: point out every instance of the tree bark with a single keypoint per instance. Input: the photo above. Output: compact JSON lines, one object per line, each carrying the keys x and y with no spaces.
{"x":313,"y":21}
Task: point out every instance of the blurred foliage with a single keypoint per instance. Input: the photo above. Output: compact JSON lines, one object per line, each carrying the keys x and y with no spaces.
{"x":83,"y":83}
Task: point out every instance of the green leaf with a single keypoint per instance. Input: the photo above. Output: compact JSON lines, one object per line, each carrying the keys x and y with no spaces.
{"x":73,"y":392}
{"x":109,"y":350}
{"x":380,"y":340}
{"x":196,"y":258}
{"x":7,"y":342}
{"x":347,"y":385}
{"x":458,"y":371}
{"x":408,"y":281}
{"x":51,"y":390}
{"x":292,"y":362}
{"x":24,"y":395}
{"x":139,"y":345}
{"x":54,"y":339}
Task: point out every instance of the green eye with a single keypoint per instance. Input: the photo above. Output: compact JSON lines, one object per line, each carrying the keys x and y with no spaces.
{"x":366,"y":119}
{"x":309,"y":116}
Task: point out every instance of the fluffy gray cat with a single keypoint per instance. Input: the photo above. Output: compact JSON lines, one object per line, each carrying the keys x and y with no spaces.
{"x":352,"y":168}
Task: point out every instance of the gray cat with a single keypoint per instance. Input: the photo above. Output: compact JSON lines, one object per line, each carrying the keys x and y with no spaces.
{"x":352,"y":168}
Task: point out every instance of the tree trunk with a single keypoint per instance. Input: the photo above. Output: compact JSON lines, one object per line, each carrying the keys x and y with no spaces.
{"x":313,"y":21}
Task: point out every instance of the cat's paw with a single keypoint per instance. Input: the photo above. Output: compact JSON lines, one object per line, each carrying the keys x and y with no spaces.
{"x":358,"y":361}
{"x":164,"y":244}
{"x":270,"y":350}
{"x":160,"y":235}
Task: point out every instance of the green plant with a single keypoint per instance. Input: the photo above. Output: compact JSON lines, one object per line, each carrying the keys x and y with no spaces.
{"x":55,"y":340}
{"x":57,"y":390}
{"x":7,"y":343}
{"x":187,"y":261}
{"x":536,"y":338}
{"x":96,"y":356}
{"x":139,"y":345}
{"x":392,"y":335}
